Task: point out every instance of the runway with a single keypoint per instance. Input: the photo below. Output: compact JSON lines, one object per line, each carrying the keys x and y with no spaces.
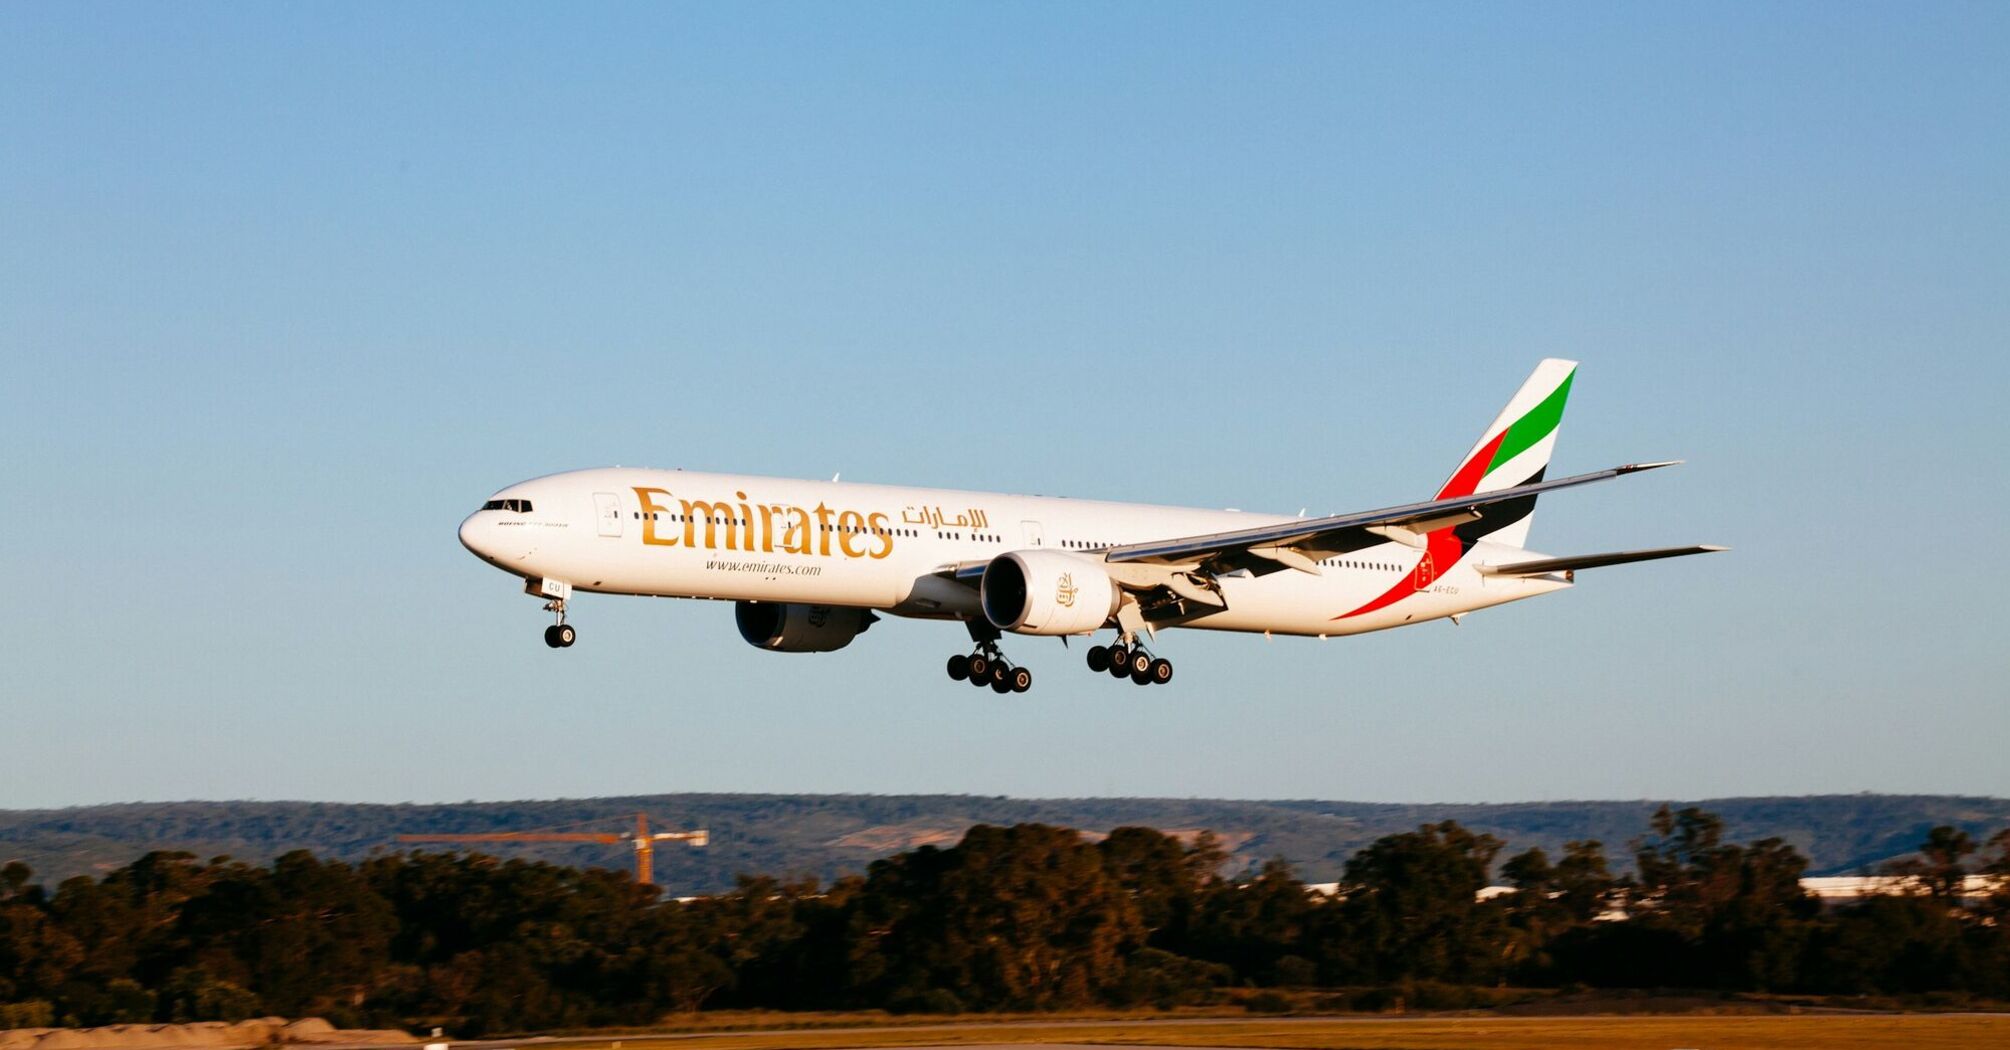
{"x":1767,"y":1031}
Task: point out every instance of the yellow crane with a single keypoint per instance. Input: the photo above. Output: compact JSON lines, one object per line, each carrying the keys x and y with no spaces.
{"x":645,"y":841}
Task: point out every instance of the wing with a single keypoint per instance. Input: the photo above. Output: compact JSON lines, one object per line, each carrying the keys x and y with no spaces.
{"x":1300,"y":544}
{"x":1545,"y":566}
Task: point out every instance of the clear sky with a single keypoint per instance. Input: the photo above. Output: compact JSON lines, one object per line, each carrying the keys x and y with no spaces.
{"x":286,"y":290}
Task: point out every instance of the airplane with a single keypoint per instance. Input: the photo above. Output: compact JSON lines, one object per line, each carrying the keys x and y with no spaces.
{"x":810,"y":565}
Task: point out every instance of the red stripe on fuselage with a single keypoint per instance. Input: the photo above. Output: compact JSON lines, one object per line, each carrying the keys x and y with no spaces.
{"x":1444,"y":551}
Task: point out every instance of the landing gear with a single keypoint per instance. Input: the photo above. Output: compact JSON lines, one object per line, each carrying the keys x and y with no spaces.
{"x":988,"y":666}
{"x":560,"y":635}
{"x":1130,"y":661}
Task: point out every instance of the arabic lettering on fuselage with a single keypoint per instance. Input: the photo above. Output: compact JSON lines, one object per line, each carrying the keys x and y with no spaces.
{"x":934,"y":518}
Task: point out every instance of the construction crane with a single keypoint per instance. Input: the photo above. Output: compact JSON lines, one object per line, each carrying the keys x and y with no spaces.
{"x":644,"y":839}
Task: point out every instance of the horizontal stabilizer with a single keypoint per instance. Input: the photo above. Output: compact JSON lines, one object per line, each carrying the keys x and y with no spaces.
{"x":1545,"y":566}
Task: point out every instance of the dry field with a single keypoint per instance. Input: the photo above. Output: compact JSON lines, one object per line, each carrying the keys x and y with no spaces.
{"x":1699,"y":1031}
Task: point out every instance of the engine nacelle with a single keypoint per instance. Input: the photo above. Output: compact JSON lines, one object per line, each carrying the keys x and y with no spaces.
{"x":1047,"y":592}
{"x":787,"y":627}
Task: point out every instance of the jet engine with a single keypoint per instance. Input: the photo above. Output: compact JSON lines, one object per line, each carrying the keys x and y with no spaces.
{"x":788,"y":627}
{"x":1047,"y":592}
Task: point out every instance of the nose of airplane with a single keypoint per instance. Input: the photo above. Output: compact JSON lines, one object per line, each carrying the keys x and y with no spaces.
{"x":474,"y":536}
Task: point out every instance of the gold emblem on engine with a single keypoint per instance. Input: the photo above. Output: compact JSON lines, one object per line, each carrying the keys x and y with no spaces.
{"x":1064,"y":591}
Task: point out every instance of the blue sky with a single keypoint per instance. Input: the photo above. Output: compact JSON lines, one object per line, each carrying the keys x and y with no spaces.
{"x":286,"y":290}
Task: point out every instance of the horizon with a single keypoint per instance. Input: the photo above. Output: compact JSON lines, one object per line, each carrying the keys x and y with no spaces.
{"x":1645,"y":800}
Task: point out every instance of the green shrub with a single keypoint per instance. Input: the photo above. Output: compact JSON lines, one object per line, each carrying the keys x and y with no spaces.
{"x":1268,"y":1002}
{"x":1166,"y":980}
{"x":931,"y":1001}
{"x":36,"y":1013}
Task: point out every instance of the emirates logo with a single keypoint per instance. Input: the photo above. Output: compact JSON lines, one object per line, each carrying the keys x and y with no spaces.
{"x":1064,"y":591}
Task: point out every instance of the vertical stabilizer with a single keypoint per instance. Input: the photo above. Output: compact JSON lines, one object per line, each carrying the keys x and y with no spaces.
{"x":1514,"y":451}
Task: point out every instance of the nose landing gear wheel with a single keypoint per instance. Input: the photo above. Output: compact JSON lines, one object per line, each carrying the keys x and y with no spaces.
{"x":559,"y":635}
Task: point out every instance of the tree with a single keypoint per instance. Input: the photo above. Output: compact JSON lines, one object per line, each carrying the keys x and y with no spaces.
{"x":37,"y":956}
{"x":1939,"y":869}
{"x":1254,"y":924}
{"x":1550,"y":900}
{"x":1164,"y":878}
{"x":1025,"y":917}
{"x":1409,"y":903}
{"x":1737,"y":914}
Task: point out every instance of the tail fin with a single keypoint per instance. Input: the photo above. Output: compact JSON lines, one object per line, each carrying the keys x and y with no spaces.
{"x":1514,"y":451}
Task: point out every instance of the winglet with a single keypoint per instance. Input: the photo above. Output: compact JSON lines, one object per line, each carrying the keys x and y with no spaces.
{"x":1656,"y":465}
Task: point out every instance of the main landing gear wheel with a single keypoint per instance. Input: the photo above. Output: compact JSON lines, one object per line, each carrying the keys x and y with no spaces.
{"x":1120,"y":660}
{"x":987,"y":665}
{"x":981,"y":669}
{"x":1140,"y":665}
{"x":1127,"y":659}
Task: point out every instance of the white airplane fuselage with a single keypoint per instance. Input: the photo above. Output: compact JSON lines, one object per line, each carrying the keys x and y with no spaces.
{"x":685,"y":534}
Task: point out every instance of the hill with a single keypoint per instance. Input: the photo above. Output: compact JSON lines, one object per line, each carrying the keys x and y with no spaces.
{"x":833,"y":835}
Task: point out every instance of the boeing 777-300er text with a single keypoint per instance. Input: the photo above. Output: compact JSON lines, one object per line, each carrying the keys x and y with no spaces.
{"x":810,"y":564}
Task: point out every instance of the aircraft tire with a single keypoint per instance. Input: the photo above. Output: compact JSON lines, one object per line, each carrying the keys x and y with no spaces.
{"x":959,"y":667}
{"x":1001,"y":686}
{"x":977,"y":666}
{"x":1142,"y":677}
{"x":551,"y":637}
{"x":1120,"y":660}
{"x":1099,"y":658}
{"x":1022,"y":680}
{"x":566,"y":636}
{"x":1140,"y":663}
{"x":1161,"y":671}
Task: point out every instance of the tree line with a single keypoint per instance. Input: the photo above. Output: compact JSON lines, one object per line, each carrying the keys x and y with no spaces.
{"x":1028,"y":917}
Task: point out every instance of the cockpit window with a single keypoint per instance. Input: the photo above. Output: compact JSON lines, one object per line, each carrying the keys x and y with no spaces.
{"x":517,"y":506}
